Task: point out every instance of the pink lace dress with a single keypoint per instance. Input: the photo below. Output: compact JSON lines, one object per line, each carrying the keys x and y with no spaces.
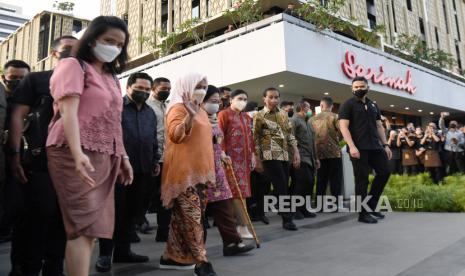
{"x":87,"y":210}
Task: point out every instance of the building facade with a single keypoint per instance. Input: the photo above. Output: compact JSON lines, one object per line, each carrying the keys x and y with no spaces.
{"x":292,"y":55}
{"x":11,"y":18}
{"x":32,"y":41}
{"x":439,"y":23}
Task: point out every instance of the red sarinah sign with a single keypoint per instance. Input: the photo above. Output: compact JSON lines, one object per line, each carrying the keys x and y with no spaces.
{"x":352,"y":70}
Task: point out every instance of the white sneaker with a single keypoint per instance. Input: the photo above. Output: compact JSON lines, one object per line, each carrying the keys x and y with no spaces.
{"x":244,"y":232}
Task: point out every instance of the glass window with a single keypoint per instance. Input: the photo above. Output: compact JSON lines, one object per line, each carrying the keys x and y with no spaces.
{"x":195,"y":9}
{"x":409,"y":5}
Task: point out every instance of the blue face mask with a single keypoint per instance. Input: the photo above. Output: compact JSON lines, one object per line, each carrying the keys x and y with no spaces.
{"x":309,"y":114}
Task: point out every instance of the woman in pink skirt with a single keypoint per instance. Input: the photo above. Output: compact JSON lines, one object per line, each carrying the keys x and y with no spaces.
{"x":85,"y":145}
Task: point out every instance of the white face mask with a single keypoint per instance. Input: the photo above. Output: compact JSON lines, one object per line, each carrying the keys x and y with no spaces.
{"x":238,"y":104}
{"x":105,"y":53}
{"x":211,"y":108}
{"x":199,"y":95}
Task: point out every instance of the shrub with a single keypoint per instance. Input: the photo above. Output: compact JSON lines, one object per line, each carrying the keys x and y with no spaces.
{"x":419,"y":194}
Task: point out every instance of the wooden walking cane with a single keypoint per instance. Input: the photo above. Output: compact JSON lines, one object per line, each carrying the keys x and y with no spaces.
{"x":233,"y":179}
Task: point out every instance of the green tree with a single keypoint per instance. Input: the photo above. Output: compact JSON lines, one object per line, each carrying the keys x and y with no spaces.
{"x":418,"y":50}
{"x":64,"y":6}
{"x":323,"y":16}
{"x":245,"y":12}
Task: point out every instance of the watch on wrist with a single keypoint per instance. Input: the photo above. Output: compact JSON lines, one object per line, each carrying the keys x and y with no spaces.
{"x":385,"y":145}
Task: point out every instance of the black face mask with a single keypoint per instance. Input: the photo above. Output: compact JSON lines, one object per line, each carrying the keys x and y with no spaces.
{"x":360,"y":93}
{"x":65,"y":53}
{"x":290,"y":113}
{"x":11,"y":84}
{"x":139,"y":96}
{"x":163,"y":95}
{"x":452,"y":126}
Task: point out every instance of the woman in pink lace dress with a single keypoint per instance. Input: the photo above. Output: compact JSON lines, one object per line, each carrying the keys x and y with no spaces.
{"x":85,"y":144}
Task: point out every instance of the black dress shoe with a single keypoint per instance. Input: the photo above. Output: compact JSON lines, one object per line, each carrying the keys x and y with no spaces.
{"x":265,"y":220}
{"x":236,"y":249}
{"x":103,"y":264}
{"x":367,"y":218}
{"x":129,"y":257}
{"x":377,"y":215}
{"x":308,"y":214}
{"x":204,"y":269}
{"x":170,"y":264}
{"x":290,"y":226}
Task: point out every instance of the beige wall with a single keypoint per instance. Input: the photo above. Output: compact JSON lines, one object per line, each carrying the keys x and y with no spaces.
{"x":145,"y":18}
{"x":24,"y":43}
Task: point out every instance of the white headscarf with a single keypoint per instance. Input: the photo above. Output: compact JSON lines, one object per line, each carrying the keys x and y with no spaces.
{"x":182,"y":85}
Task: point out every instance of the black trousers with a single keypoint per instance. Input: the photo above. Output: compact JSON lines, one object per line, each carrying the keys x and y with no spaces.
{"x":129,"y":208}
{"x":154,"y":202}
{"x":395,"y":166}
{"x":261,"y":186}
{"x":456,"y":162}
{"x":39,"y":239}
{"x":302,"y":181}
{"x":278,"y":173}
{"x":330,"y":171}
{"x":378,"y":161}
{"x":411,"y":170}
{"x":436,"y":173}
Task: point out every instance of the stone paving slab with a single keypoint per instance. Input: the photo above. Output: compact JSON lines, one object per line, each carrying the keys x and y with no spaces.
{"x":404,"y":244}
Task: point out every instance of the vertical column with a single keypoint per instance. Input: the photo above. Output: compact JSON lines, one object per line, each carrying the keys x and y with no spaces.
{"x":170,"y":16}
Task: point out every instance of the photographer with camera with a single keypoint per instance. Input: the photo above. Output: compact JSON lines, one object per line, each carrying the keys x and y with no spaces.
{"x":454,"y":145}
{"x":432,"y":144}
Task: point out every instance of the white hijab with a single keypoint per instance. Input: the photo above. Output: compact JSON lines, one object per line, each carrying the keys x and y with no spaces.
{"x":182,"y":85}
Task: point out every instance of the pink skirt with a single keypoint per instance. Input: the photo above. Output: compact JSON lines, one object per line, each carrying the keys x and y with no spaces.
{"x":87,"y":211}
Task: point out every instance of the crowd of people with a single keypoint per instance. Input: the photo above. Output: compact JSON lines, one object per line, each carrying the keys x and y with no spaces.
{"x":439,"y":151}
{"x":83,"y":163}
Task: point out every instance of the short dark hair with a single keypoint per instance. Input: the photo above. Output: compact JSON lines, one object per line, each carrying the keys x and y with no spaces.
{"x":238,"y":92}
{"x":265,"y":92}
{"x":328,"y":100}
{"x":16,"y":63}
{"x":56,"y":42}
{"x":96,"y":28}
{"x":360,"y":79}
{"x":308,"y":100}
{"x":251,"y":106}
{"x":211,"y":90}
{"x":300,"y":105}
{"x":158,"y":81}
{"x":223,"y":88}
{"x":133,"y":78}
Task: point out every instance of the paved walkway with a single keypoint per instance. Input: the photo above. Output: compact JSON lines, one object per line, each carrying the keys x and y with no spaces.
{"x":404,"y":244}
